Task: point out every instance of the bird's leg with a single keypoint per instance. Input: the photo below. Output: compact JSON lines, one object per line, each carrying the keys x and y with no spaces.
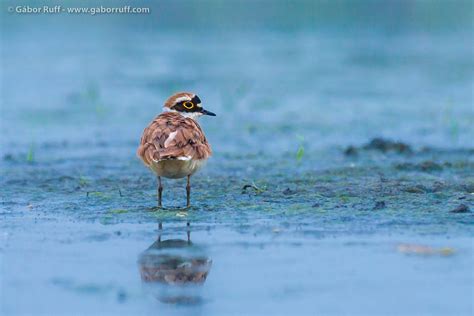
{"x":188,"y":192}
{"x":160,"y":191}
{"x":160,"y":228}
{"x":188,"y":232}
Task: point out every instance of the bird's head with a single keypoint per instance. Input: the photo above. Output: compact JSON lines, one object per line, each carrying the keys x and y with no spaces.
{"x":187,"y":104}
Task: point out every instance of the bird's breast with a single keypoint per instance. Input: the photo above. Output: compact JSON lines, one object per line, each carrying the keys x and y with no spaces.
{"x":175,"y":168}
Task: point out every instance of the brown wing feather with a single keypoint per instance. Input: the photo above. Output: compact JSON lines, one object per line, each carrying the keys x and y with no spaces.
{"x":189,"y":140}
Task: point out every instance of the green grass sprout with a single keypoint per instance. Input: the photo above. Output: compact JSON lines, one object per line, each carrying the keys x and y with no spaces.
{"x":300,"y":151}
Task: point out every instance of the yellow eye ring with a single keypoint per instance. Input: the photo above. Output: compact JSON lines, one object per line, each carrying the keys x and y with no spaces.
{"x":188,"y":105}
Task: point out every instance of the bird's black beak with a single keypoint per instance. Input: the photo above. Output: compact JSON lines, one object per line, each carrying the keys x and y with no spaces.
{"x":206,"y":112}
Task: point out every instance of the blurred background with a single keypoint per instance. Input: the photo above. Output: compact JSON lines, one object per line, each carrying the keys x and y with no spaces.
{"x":336,"y":72}
{"x":300,"y":88}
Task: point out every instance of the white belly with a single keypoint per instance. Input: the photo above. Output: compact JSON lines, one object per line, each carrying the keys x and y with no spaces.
{"x":174,"y":168}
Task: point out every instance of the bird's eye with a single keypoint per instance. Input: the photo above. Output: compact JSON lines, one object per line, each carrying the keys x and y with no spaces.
{"x":188,"y":105}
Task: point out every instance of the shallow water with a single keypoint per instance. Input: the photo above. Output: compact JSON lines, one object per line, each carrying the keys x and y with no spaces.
{"x":322,"y":232}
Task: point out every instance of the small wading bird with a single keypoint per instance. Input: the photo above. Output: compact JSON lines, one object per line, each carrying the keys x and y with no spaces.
{"x":174,"y":145}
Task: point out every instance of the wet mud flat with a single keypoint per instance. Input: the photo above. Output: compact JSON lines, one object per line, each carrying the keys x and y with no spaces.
{"x":92,"y":237}
{"x":367,"y":178}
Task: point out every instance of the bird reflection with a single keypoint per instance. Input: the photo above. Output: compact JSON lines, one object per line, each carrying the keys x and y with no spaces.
{"x":177,"y":265}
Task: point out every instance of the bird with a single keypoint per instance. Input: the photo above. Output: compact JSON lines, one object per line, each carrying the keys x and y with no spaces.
{"x":173,"y":145}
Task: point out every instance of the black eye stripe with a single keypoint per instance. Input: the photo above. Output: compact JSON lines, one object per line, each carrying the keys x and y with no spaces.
{"x":181,"y":108}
